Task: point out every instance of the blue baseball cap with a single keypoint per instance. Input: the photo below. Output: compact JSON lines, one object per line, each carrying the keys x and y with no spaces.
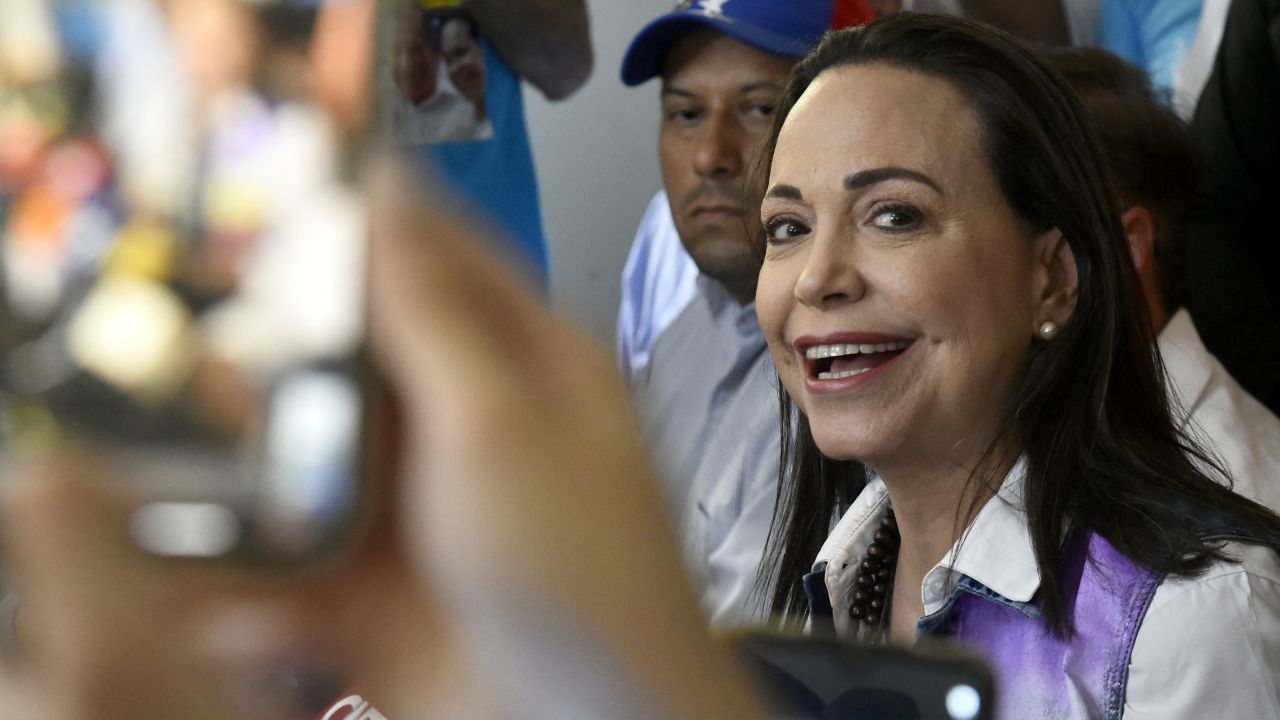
{"x":790,"y":28}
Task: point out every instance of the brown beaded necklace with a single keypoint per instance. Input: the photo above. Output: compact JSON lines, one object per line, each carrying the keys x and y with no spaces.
{"x":870,"y":604}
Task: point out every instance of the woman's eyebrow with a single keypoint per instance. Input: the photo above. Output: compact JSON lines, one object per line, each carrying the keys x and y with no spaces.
{"x":866,"y":178}
{"x":786,"y":192}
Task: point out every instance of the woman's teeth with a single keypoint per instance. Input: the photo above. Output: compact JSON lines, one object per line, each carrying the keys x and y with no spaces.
{"x":829,"y":351}
{"x":842,"y":374}
{"x":840,"y":361}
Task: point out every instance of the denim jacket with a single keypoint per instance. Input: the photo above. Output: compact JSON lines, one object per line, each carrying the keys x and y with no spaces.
{"x":991,"y":605}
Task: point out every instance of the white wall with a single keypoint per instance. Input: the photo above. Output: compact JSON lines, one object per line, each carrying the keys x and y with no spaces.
{"x":597,"y":162}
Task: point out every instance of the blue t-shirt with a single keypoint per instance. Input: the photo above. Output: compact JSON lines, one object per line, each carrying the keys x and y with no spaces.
{"x":496,"y":175}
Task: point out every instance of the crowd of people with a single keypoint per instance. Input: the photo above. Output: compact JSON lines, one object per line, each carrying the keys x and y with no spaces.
{"x":947,"y":325}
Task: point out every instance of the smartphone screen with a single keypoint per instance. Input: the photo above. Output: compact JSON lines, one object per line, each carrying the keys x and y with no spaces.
{"x":181,"y":266}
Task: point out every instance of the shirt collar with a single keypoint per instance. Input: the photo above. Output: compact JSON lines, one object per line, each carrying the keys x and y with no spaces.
{"x":851,"y":536}
{"x":742,"y":318}
{"x":995,"y":551}
{"x":1186,"y":371}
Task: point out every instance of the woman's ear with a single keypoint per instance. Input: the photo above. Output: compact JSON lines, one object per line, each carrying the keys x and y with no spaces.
{"x":1057,"y":279}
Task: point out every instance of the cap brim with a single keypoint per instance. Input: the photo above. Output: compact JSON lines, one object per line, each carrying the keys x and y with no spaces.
{"x":649,"y":49}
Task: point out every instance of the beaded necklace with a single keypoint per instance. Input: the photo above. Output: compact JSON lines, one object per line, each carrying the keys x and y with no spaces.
{"x":871,"y":597}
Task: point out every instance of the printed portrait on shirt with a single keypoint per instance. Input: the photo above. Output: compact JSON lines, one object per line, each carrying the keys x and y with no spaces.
{"x":437,"y":64}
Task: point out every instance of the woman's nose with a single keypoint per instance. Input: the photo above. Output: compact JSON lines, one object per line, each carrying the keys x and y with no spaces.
{"x":831,"y":275}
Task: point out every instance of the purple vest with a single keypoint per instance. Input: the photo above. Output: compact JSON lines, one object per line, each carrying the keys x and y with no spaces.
{"x":1038,"y":674}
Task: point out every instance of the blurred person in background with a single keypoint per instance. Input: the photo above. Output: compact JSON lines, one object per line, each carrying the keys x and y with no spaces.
{"x":166,"y":217}
{"x":1148,"y":151}
{"x":432,"y":110}
{"x":1043,"y":21}
{"x":543,"y":42}
{"x":1190,"y":77}
{"x":1154,"y":35}
{"x":689,"y":340}
{"x":1230,"y":254}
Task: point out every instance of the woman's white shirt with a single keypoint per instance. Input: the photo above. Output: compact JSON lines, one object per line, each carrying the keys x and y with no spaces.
{"x":1208,"y":646}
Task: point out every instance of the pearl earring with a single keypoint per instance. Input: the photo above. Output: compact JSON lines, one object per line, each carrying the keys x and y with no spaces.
{"x":1048,"y":330}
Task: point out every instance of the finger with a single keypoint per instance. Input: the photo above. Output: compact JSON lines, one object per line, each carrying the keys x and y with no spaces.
{"x":71,"y":566}
{"x":447,"y":314}
{"x":62,"y":536}
{"x":537,"y":516}
{"x":97,"y":614}
{"x":504,"y":397}
{"x":341,"y":58}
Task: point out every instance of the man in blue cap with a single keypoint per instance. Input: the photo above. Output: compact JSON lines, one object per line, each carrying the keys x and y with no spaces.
{"x":689,"y":341}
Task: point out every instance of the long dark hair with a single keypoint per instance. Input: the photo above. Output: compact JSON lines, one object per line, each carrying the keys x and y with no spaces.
{"x":1102,"y":454}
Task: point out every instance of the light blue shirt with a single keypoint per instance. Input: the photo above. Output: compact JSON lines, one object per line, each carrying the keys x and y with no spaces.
{"x":708,"y":403}
{"x":658,"y":282}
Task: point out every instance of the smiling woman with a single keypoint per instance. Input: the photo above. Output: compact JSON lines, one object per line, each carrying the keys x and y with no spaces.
{"x":970,"y":386}
{"x":863,"y":247}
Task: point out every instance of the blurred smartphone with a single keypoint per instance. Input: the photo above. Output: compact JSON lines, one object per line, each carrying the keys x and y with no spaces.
{"x":816,"y":678}
{"x":181,"y":267}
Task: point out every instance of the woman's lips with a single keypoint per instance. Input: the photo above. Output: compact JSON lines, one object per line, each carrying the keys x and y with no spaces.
{"x":840,"y":361}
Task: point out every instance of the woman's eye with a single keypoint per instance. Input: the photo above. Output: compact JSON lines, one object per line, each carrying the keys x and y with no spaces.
{"x":896,"y":217}
{"x":783,"y":230}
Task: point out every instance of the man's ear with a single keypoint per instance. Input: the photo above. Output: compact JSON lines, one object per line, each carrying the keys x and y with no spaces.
{"x":1058,"y":278}
{"x":1140,"y":232}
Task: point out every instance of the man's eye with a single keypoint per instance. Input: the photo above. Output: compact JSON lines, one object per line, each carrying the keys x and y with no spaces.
{"x":783,"y":230}
{"x":684,"y":115}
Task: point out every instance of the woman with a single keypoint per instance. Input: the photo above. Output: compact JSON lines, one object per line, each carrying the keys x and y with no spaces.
{"x":951,"y":309}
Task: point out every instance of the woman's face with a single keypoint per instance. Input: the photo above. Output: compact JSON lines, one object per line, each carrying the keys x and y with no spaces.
{"x":892,"y":248}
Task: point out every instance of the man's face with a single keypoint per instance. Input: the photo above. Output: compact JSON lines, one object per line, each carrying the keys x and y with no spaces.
{"x":416,"y":61}
{"x":718,"y":99}
{"x":464,"y":59}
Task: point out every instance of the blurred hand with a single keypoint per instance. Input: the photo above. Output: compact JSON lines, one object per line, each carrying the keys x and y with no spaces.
{"x":518,"y":555}
{"x":109,"y":632}
{"x":342,"y":59}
